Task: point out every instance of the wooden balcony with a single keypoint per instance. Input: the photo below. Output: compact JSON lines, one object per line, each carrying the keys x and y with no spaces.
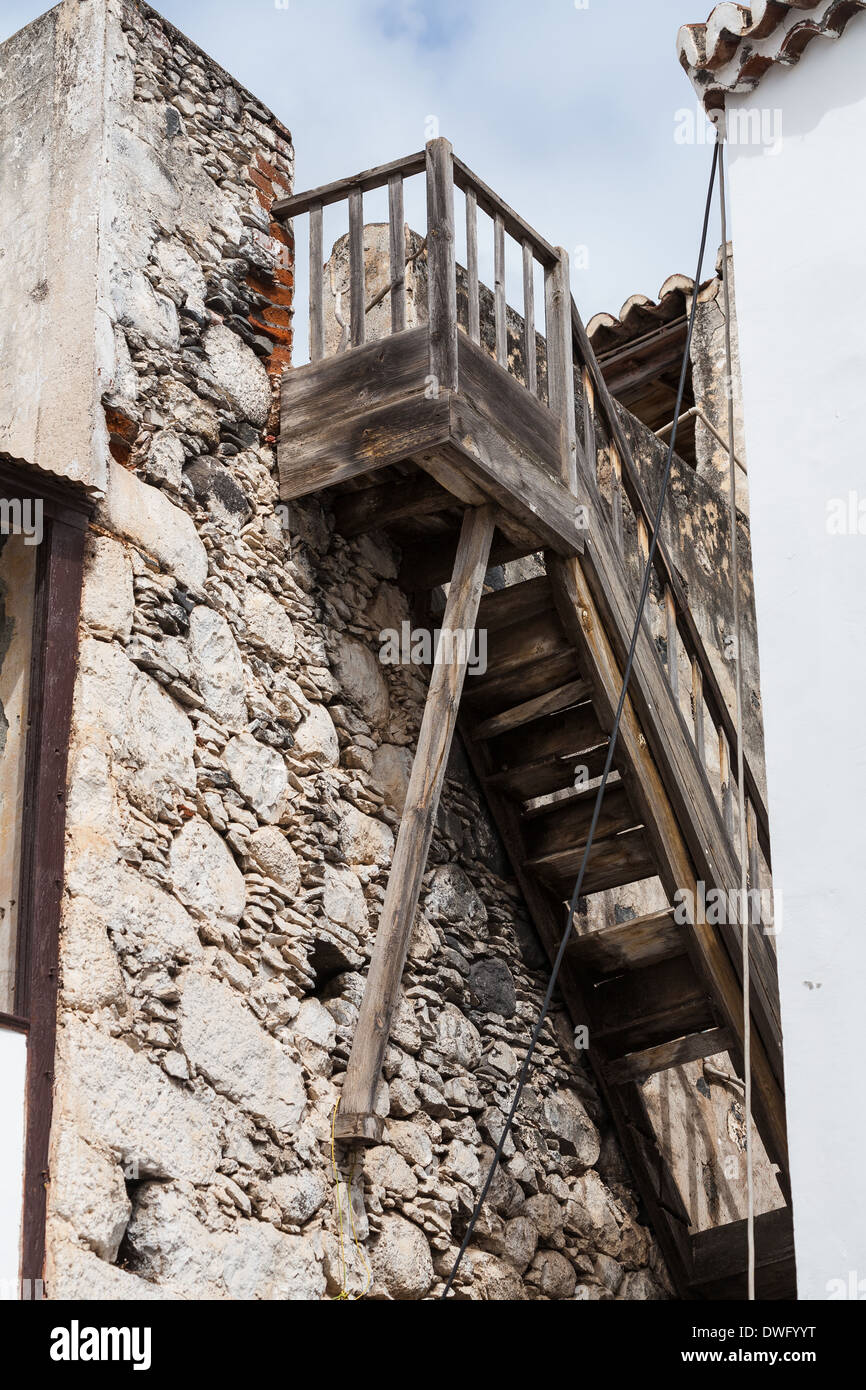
{"x":472,"y":438}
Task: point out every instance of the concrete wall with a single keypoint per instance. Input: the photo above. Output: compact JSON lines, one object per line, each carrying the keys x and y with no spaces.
{"x":798,"y":220}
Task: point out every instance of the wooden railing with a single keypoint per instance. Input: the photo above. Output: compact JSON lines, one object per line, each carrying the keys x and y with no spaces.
{"x":444,"y":172}
{"x":707,"y":703}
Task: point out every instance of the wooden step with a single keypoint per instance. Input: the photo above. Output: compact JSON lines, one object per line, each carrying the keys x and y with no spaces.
{"x":637,"y":1066}
{"x":551,"y":702}
{"x":629,"y":945}
{"x":552,"y":773}
{"x":718,"y":1258}
{"x":565,"y":823}
{"x":614,"y":861}
{"x":515,"y":605}
{"x":646,"y":1007}
{"x":498,"y":689}
{"x":561,"y":734}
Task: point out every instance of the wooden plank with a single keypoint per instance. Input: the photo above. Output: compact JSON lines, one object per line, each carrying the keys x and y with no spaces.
{"x":494,"y":206}
{"x":573,"y":729}
{"x":566,"y":823}
{"x":629,"y":945}
{"x":356,"y":1119}
{"x":637,"y":1066}
{"x":560,"y":375}
{"x":500,"y":332}
{"x":698,"y":711}
{"x":673,"y":652}
{"x":327,"y":193}
{"x":551,"y":773}
{"x":508,"y":406}
{"x":529,"y":344}
{"x":317,"y":288}
{"x":360,"y":444}
{"x":441,"y":266}
{"x":492,"y":693}
{"x":726,"y":781}
{"x":516,"y":603}
{"x":551,"y":702}
{"x":613,"y":862}
{"x":616,"y":498}
{"x":472,"y":265}
{"x":357,"y":290}
{"x":719,"y":1257}
{"x":643,"y":1008}
{"x":590,"y":447}
{"x":523,"y":643}
{"x":428,"y":564}
{"x":510,"y":475}
{"x":577,"y":605}
{"x":372,"y":508}
{"x":397,"y":251}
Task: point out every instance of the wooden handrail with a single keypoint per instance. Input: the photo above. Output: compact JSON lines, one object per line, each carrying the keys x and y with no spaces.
{"x":365,"y":182}
{"x":494,"y":206}
{"x":634,"y":488}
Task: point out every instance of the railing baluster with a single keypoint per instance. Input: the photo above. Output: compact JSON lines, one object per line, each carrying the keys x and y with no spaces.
{"x":698,"y":702}
{"x":317,"y":306}
{"x":441,"y":265}
{"x":499,"y":290}
{"x":727,"y":788}
{"x":357,"y":292}
{"x":673,"y":654}
{"x":472,"y":265}
{"x":589,"y":425}
{"x":396,"y":223}
{"x":529,"y":349}
{"x":560,"y":362}
{"x":616,"y":496}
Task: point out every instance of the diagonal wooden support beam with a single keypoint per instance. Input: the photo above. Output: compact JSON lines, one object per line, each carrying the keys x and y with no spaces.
{"x":356,"y":1120}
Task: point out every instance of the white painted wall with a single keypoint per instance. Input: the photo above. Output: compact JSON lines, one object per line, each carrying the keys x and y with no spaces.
{"x":13,"y":1072}
{"x":799,"y":229}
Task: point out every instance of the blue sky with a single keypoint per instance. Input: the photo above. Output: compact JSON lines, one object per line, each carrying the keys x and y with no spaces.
{"x":569,"y":112}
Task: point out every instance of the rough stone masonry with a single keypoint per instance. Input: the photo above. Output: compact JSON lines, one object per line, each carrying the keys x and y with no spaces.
{"x":238,"y":762}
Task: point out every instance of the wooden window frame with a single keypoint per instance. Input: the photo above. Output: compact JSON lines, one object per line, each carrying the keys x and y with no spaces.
{"x":66,"y":510}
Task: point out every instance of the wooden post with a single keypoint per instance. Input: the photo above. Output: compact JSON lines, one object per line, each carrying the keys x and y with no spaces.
{"x":357,"y":291}
{"x":472,"y":265}
{"x":397,"y":238}
{"x":529,"y":347}
{"x":317,"y":311}
{"x":560,"y":367}
{"x":499,"y":291}
{"x":356,"y":1119}
{"x":441,"y":265}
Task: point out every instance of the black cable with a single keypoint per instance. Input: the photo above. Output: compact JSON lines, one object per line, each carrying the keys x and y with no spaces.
{"x":536,"y":1033}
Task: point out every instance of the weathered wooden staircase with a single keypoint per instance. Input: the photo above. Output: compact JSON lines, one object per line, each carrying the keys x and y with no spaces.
{"x":473,"y":440}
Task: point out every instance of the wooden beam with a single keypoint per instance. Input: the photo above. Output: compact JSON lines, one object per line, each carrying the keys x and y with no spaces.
{"x":327,"y":193}
{"x":629,"y":945}
{"x":357,"y":1119}
{"x":577,"y":607}
{"x":371,"y":508}
{"x":552,"y":702}
{"x":637,"y":1066}
{"x":719,"y":1257}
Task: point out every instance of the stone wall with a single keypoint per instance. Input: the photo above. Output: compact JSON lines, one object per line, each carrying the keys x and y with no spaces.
{"x":238,"y":761}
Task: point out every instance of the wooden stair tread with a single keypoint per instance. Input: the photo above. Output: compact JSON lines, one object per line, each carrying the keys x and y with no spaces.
{"x":566,"y":822}
{"x":551,"y":773}
{"x":629,"y":945}
{"x":637,"y":1066}
{"x":551,"y":702}
{"x":516,"y":604}
{"x":643,"y":1008}
{"x":718,"y":1258}
{"x":614,"y":861}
